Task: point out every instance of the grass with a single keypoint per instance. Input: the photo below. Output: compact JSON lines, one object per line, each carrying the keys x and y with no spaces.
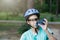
{"x":10,"y":16}
{"x":50,"y":17}
{"x":8,"y":26}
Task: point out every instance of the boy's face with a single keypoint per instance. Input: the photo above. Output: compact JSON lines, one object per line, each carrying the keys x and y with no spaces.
{"x":32,"y":21}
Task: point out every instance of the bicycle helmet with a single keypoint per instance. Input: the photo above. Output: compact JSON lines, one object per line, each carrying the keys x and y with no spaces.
{"x":30,"y":12}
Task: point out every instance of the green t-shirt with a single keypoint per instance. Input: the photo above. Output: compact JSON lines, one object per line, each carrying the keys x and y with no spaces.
{"x":29,"y":35}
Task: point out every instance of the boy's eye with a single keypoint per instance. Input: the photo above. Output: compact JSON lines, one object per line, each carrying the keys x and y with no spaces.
{"x":33,"y":19}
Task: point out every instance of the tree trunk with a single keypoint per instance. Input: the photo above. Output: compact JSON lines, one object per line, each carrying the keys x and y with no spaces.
{"x":41,"y":2}
{"x":50,"y":6}
{"x":30,"y":4}
{"x":57,"y":8}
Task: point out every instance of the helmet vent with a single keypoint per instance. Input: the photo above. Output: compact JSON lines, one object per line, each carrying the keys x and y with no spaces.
{"x":32,"y":10}
{"x":28,"y":11}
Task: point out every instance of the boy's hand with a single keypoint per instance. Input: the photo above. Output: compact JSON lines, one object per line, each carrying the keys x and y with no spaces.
{"x":44,"y":27}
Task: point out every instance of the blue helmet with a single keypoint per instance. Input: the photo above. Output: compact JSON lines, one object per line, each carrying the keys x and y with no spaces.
{"x":30,"y":12}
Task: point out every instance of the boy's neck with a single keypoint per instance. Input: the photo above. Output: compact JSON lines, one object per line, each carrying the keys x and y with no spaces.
{"x":35,"y":30}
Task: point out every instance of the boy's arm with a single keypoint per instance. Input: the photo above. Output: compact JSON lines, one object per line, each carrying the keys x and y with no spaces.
{"x":44,"y":27}
{"x":50,"y":36}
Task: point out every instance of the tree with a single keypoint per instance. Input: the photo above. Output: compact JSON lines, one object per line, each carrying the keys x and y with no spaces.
{"x":41,"y":2}
{"x":30,"y":4}
{"x":57,"y":8}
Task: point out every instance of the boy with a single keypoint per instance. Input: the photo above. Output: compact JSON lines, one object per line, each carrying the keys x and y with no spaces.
{"x":36,"y":33}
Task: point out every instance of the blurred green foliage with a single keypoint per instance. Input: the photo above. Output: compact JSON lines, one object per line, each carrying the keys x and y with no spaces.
{"x":8,"y":26}
{"x":46,"y":6}
{"x":44,"y":12}
{"x":4,"y":16}
{"x":10,"y":16}
{"x":51,"y":19}
{"x":24,"y":27}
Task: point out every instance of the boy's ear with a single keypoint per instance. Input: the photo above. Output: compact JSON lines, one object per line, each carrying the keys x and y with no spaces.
{"x":27,"y":22}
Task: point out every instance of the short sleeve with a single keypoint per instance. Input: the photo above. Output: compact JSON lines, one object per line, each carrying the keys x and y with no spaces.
{"x":23,"y":37}
{"x":47,"y":38}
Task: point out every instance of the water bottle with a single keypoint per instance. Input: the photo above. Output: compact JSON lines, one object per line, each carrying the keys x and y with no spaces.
{"x":40,"y":22}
